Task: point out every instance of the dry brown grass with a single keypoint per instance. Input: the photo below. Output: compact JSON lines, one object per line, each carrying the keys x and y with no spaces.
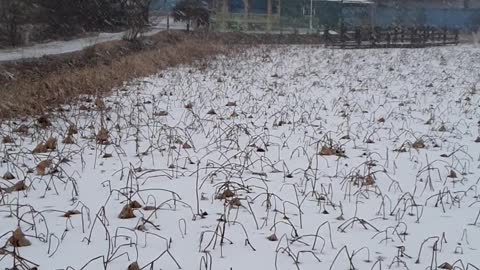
{"x":40,"y":87}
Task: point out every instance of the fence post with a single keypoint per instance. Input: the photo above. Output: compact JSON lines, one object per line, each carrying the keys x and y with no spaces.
{"x":389,"y":37}
{"x":358,"y":36}
{"x":225,"y":11}
{"x":342,"y":33}
{"x":444,"y":35}
{"x":326,"y":35}
{"x":425,"y":35}
{"x":269,"y":15}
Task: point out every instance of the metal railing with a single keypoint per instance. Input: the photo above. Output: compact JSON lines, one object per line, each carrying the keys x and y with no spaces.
{"x":397,"y":37}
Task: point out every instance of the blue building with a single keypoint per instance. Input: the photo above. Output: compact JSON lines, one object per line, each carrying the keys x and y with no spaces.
{"x":384,"y":13}
{"x":162,"y":5}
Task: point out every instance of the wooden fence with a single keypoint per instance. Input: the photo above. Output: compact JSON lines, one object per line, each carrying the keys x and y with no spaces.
{"x":391,"y":37}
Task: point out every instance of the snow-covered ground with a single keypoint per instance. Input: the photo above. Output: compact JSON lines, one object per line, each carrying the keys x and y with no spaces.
{"x":60,"y":47}
{"x":281,"y":158}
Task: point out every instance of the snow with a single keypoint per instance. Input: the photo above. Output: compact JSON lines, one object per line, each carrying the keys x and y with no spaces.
{"x":285,"y":104}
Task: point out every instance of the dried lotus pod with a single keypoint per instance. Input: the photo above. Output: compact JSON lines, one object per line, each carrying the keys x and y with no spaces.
{"x":18,"y":239}
{"x":126,"y":213}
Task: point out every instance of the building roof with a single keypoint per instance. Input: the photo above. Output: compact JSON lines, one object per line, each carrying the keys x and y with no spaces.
{"x":354,"y":2}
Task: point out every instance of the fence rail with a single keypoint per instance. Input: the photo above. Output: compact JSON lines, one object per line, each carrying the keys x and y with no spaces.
{"x":464,"y":19}
{"x":392,"y":37}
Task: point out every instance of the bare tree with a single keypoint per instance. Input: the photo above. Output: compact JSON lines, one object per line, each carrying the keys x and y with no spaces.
{"x":137,"y":17}
{"x":13,"y":14}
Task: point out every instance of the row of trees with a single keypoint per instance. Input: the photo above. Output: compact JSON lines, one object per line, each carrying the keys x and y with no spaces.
{"x":61,"y":18}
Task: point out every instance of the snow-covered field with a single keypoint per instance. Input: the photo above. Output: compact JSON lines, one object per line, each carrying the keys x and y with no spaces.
{"x":281,"y":158}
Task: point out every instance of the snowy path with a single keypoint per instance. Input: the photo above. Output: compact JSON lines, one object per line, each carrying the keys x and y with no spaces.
{"x":60,"y":47}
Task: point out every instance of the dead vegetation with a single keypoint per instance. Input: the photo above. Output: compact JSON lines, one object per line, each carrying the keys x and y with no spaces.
{"x":293,"y":168}
{"x":41,"y":85}
{"x":36,"y":86}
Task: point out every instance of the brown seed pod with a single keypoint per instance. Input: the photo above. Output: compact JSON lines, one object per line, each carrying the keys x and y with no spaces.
{"x":100,"y":103}
{"x":40,"y":148}
{"x":236,"y":202}
{"x":68,"y":140}
{"x":134,"y":266}
{"x":141,"y":228}
{"x":102,"y":136}
{"x":327,"y":151}
{"x":126,"y":213}
{"x":18,"y":239}
{"x":211,"y":112}
{"x":135,"y":205}
{"x":7,"y":139}
{"x":8,"y":176}
{"x":19,"y":186}
{"x":72,"y":130}
{"x":419,"y":144}
{"x":261,"y":150}
{"x":446,"y":266}
{"x":161,"y":113}
{"x":51,"y":144}
{"x":272,"y":238}
{"x":369,"y":180}
{"x":43,"y":166}
{"x":44,"y":122}
{"x":21,"y":129}
{"x":70,"y":213}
